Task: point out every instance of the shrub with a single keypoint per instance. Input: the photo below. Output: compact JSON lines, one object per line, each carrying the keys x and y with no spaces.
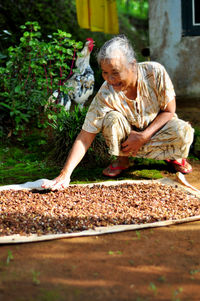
{"x":33,"y":71}
{"x":67,"y":128}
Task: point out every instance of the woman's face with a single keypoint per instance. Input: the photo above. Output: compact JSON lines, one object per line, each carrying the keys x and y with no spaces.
{"x":118,"y":73}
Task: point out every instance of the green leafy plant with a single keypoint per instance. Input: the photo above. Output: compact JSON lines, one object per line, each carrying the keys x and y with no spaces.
{"x":193,"y":273}
{"x":35,"y":69}
{"x":50,"y":295}
{"x":134,"y":8}
{"x":35,"y":277}
{"x":67,"y":127}
{"x":153,"y":288}
{"x":131,"y":262}
{"x":162,"y":279}
{"x":115,"y":252}
{"x":175,"y":294}
{"x":138,"y":235}
{"x":9,"y":257}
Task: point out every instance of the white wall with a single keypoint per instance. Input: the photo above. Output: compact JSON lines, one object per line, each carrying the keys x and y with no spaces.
{"x":180,"y":55}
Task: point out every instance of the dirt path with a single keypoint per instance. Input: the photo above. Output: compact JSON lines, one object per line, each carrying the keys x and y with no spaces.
{"x":152,"y":264}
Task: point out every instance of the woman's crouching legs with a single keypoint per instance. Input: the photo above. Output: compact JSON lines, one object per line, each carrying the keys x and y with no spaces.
{"x":115,"y":130}
{"x":171,"y":143}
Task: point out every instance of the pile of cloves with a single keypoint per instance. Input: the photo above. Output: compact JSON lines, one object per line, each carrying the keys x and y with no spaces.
{"x":79,"y":208}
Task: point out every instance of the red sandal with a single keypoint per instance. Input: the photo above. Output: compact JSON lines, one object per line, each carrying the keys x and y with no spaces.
{"x":112,"y":168}
{"x":183,"y":167}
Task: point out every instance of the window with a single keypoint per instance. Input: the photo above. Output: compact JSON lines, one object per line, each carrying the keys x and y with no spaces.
{"x":190,"y":17}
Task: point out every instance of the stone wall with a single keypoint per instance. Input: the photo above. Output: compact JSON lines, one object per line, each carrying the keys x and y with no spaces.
{"x":180,"y":55}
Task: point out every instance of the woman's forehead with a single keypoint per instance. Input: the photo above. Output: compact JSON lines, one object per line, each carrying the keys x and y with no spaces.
{"x":114,"y":63}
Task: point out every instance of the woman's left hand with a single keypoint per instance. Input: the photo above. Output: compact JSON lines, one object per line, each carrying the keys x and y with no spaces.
{"x":134,"y":142}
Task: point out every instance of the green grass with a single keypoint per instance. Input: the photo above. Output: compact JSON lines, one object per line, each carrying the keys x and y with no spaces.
{"x":19,"y":165}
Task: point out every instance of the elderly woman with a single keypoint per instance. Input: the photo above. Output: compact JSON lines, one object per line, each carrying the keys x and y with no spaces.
{"x":135,"y":110}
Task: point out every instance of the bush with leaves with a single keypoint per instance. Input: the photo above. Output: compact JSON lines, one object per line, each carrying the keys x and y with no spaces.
{"x":33,"y":71}
{"x":67,"y":128}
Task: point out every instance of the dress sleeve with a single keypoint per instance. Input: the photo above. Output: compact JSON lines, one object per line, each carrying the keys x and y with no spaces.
{"x":97,"y":111}
{"x":165,"y":87}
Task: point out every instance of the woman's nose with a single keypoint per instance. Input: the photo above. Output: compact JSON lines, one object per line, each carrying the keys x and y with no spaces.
{"x":110,"y":78}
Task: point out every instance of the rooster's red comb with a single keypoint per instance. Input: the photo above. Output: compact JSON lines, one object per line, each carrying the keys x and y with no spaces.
{"x":91,"y":44}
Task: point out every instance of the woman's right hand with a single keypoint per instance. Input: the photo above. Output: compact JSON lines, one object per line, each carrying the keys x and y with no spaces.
{"x":80,"y":146}
{"x":59,"y":183}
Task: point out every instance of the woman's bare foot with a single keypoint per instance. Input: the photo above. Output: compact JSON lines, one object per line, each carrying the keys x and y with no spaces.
{"x":115,"y":168}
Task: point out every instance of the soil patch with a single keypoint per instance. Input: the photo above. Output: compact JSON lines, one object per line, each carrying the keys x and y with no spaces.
{"x":189,"y":110}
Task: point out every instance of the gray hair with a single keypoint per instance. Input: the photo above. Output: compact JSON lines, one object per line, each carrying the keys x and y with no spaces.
{"x":118,"y":43}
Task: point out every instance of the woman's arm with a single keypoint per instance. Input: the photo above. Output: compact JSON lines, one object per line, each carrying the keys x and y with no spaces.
{"x":79,"y":148}
{"x":137,"y":139}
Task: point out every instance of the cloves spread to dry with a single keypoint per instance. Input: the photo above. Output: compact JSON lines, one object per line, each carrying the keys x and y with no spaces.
{"x":79,"y":208}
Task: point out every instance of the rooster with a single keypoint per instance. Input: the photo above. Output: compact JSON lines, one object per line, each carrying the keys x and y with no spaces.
{"x":81,"y":84}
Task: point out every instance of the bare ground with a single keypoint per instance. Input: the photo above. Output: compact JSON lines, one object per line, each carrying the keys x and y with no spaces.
{"x":152,"y":264}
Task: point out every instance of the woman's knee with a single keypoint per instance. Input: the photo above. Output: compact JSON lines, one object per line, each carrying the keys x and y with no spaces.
{"x":185,"y":132}
{"x":115,"y":130}
{"x":111,"y":118}
{"x":115,"y":121}
{"x":177,"y":131}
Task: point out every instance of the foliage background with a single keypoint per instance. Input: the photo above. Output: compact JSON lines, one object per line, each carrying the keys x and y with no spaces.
{"x":61,"y":14}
